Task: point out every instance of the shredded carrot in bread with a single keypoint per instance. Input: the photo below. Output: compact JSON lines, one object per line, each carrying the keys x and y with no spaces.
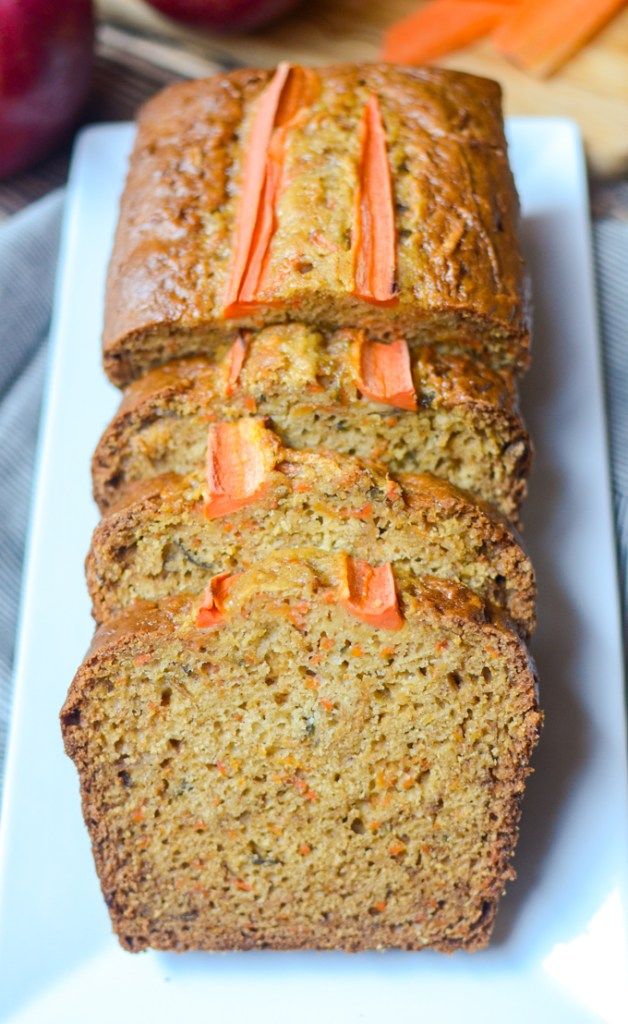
{"x":374,"y":236}
{"x":240,"y":456}
{"x":364,"y":513}
{"x":369,"y":594}
{"x":291,"y":89}
{"x":384,"y":373}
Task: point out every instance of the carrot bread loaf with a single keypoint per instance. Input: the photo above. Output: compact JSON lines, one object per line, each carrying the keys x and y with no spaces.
{"x":258,"y":496}
{"x":316,"y":754}
{"x":372,"y":196}
{"x":417,"y":412}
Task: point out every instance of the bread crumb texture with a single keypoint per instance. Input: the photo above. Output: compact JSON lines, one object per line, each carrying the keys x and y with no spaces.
{"x":295,"y":777}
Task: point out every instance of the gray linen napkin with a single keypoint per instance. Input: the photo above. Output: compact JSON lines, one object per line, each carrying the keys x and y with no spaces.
{"x":611,"y":261}
{"x":28,"y":256}
{"x":28,"y":249}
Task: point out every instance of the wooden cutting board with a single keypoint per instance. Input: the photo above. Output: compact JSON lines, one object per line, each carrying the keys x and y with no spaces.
{"x":592,"y":88}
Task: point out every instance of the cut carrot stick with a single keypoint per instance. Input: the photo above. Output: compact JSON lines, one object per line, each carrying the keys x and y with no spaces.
{"x":212,"y":610}
{"x":253,"y":178}
{"x":369,"y":594}
{"x":437,"y":28}
{"x":384,"y":373}
{"x":235,"y":361}
{"x":240,"y":457}
{"x":540,"y":35}
{"x":374,"y":248}
{"x":291,"y":89}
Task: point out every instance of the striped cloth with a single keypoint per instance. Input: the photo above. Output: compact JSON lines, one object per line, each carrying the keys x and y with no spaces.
{"x":28,"y":253}
{"x":28,"y":247}
{"x":611,"y":261}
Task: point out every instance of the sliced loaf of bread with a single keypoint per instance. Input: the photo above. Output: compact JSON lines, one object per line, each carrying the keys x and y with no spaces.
{"x":258,"y":496}
{"x":422,"y":412}
{"x":317,"y":754}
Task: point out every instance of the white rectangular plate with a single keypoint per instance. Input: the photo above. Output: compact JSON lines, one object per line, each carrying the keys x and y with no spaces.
{"x":558,"y":953}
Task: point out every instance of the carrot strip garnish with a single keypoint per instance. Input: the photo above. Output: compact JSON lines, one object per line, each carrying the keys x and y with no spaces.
{"x":240,"y":457}
{"x":384,"y":373}
{"x":374,"y":247}
{"x":212,"y":610}
{"x":253,"y":178}
{"x":235,"y":361}
{"x":437,"y":28}
{"x":540,"y":35}
{"x":369,"y":594}
{"x":291,"y":89}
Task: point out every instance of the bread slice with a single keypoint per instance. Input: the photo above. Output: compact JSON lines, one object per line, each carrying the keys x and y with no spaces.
{"x":425,"y":412}
{"x":321,"y":755}
{"x":170,"y":532}
{"x":244,"y":206}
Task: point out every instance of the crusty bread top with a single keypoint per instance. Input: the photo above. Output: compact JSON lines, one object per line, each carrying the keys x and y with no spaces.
{"x":456,"y":210}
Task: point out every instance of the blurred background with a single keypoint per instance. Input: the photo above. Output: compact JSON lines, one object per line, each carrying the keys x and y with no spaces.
{"x":137,"y":49}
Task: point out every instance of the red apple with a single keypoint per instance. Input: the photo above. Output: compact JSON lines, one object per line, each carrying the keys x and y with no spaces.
{"x":46,"y":49}
{"x":225,"y":15}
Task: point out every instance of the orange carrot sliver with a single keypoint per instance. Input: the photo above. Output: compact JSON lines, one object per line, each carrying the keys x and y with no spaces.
{"x":384,"y":373}
{"x":235,"y":361}
{"x":212,"y":610}
{"x":540,"y":35}
{"x":374,"y":242}
{"x":437,"y":28}
{"x":253,"y":177}
{"x":369,"y":594}
{"x":290,"y":89}
{"x":240,"y":457}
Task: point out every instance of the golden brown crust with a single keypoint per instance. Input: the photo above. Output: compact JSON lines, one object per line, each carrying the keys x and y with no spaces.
{"x":460,"y":274}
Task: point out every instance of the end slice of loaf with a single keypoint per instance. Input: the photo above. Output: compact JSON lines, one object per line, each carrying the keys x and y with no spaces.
{"x":170,"y":532}
{"x":318,"y":392}
{"x":335,"y":761}
{"x":445,"y":226}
